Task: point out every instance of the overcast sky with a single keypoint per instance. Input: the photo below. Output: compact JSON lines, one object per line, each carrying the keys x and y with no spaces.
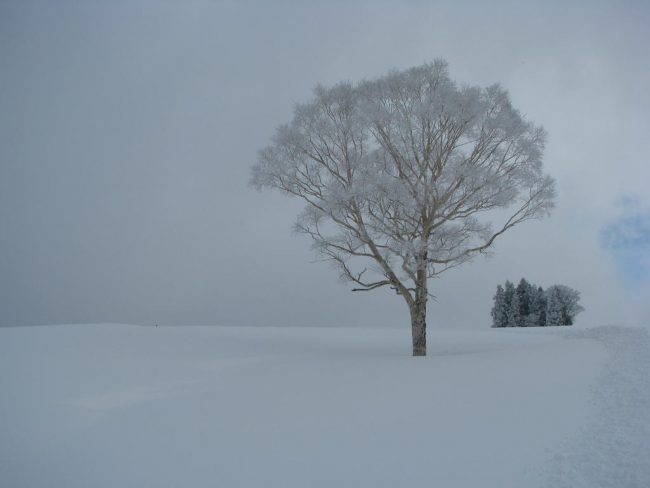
{"x":128,"y":129}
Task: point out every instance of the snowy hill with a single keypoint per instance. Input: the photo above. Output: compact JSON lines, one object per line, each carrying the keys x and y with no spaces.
{"x":128,"y":406}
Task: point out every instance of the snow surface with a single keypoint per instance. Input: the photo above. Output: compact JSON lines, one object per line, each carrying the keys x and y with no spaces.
{"x":614,"y":448}
{"x":128,"y":406}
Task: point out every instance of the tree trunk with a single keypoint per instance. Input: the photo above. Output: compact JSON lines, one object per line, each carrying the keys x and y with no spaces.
{"x":419,"y":328}
{"x":419,"y":309}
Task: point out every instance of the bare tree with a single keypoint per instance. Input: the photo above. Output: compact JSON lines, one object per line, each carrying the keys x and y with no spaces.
{"x":407,"y":173}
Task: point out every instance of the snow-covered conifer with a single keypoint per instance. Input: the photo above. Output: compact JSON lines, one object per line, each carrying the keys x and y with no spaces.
{"x":523,"y":292}
{"x":514,"y":317}
{"x":538,"y":307}
{"x":498,"y":315}
{"x":553,"y":307}
{"x":510,"y":305}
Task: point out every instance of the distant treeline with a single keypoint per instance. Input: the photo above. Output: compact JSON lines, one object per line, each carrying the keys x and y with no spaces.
{"x":529,"y":305}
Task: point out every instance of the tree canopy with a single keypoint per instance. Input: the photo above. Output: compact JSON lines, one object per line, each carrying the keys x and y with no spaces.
{"x":411,"y":173}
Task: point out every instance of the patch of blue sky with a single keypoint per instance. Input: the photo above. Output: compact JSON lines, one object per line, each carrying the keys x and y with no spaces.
{"x":628,"y":240}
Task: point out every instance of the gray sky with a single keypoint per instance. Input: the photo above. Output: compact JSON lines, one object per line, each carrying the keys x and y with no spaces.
{"x":127,"y":132}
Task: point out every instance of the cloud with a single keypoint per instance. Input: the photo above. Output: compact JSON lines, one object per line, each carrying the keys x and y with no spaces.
{"x":126,"y":138}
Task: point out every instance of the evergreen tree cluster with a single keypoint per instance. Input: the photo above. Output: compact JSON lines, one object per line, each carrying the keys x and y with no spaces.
{"x":528,"y":305}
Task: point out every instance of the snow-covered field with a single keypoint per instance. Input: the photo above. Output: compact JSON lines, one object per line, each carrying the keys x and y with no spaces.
{"x":128,"y":406}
